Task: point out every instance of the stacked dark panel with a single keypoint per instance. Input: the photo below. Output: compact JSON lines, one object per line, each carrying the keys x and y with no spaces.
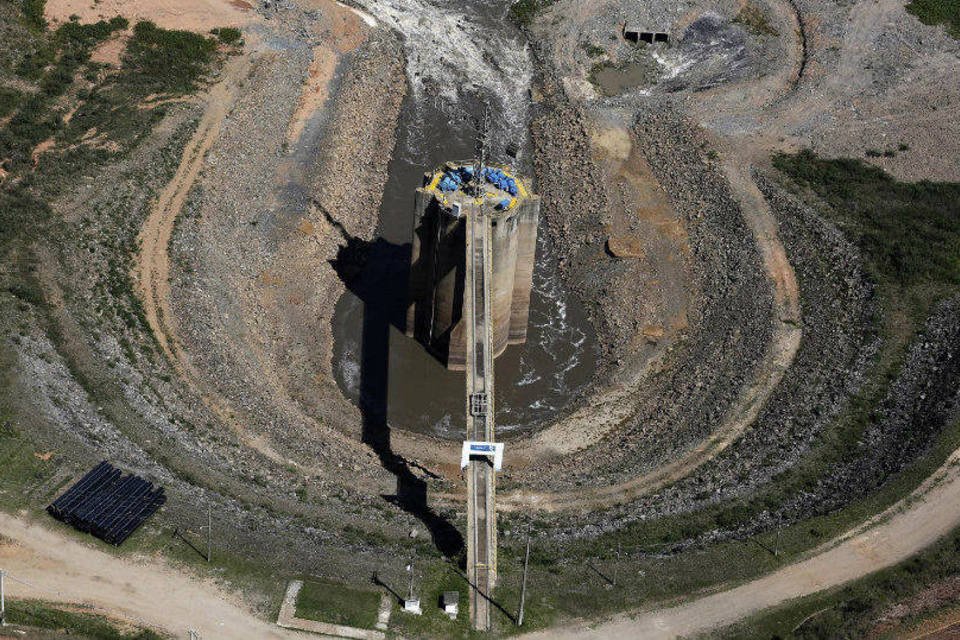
{"x":107,"y":503}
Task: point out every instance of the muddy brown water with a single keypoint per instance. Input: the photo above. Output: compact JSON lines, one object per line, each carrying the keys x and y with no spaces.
{"x":613,"y":81}
{"x":392,"y":376}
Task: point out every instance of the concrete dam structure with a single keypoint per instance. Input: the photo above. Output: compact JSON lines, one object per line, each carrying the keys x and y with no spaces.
{"x":448,"y":198}
{"x":474,"y":247}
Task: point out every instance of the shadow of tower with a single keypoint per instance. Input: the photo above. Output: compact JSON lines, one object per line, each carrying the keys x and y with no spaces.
{"x":377,"y":273}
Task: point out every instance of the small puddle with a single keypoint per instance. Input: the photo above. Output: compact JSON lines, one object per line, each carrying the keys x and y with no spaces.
{"x":615,"y":80}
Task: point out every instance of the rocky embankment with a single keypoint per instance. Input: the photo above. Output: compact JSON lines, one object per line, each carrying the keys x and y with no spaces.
{"x":263,"y":231}
{"x":249,"y":269}
{"x":731,"y":323}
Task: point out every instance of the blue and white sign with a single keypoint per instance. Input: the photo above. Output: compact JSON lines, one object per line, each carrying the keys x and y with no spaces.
{"x":489,"y":449}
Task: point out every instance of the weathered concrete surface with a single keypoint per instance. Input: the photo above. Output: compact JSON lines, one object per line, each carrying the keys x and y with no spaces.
{"x":437,"y":275}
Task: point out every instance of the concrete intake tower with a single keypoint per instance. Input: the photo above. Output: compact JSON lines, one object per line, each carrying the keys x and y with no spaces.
{"x":448,"y":198}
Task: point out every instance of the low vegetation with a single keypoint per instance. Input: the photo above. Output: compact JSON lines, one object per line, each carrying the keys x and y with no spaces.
{"x":82,"y":114}
{"x":106,"y":116}
{"x":593,"y":50}
{"x":227,"y":35}
{"x":165,"y":61}
{"x":909,"y":231}
{"x":524,"y":11}
{"x":852,"y":611}
{"x":755,"y":21}
{"x":9,"y":99}
{"x":435,"y":579}
{"x":938,"y":12}
{"x":33,"y":14}
{"x":38,"y":616}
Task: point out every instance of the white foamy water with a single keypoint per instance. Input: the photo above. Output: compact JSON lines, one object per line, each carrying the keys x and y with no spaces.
{"x":452,"y":53}
{"x":349,"y":365}
{"x":673,"y":63}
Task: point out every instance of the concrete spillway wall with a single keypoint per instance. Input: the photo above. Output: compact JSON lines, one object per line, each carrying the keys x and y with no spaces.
{"x":437,"y":268}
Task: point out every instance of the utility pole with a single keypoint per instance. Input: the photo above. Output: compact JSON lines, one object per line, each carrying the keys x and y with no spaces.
{"x":410,"y":571}
{"x":3,"y":608}
{"x":776,"y":547}
{"x":523,"y":584}
{"x":209,"y":534}
{"x":616,"y":566}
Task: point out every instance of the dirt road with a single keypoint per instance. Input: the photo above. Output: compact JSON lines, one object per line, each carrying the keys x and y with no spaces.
{"x":152,"y":269}
{"x":911,"y":525}
{"x":144,"y":592}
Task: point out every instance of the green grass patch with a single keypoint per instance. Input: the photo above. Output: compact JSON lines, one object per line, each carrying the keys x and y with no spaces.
{"x":22,"y":471}
{"x":42,"y":615}
{"x":908,"y":231}
{"x":436,"y":578}
{"x":935,"y":12}
{"x":337,"y":604}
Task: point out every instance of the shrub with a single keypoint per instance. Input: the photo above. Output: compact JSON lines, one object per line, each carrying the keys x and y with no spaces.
{"x":910,"y":231}
{"x":227,"y":35}
{"x":165,"y":61}
{"x":593,"y":50}
{"x":755,"y":21}
{"x":933,"y":12}
{"x":33,"y":14}
{"x":9,"y":99}
{"x":524,"y":11}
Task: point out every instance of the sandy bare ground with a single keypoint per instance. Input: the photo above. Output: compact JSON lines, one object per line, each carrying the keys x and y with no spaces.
{"x":779,"y":356}
{"x":142,"y":591}
{"x":191,"y":15}
{"x":315,"y":93}
{"x":908,"y":527}
{"x":342,"y":31}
